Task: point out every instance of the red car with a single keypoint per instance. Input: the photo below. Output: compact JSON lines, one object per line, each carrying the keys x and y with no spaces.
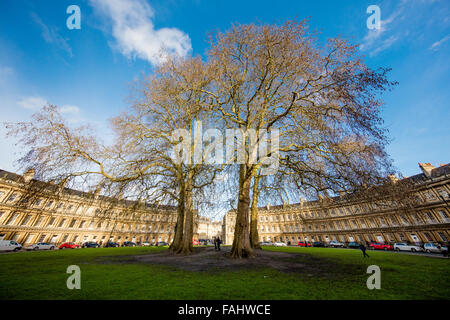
{"x":195,"y":242}
{"x":380,"y":246}
{"x":69,"y":245}
{"x":303,"y":244}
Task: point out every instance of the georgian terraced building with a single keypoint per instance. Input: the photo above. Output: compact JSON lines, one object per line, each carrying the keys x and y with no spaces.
{"x":34,"y":211}
{"x":347,"y":220}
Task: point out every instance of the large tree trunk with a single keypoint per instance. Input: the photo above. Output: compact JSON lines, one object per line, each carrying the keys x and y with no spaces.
{"x":241,"y":244}
{"x":179,"y":226}
{"x":188,"y":228}
{"x":254,"y":236}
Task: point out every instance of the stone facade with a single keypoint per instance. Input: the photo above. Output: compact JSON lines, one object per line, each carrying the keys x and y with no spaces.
{"x":33,"y":211}
{"x":347,"y":220}
{"x":208,"y":229}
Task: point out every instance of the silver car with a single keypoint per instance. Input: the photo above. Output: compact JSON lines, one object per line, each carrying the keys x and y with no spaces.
{"x":401,"y":246}
{"x":432,"y":247}
{"x":40,"y":246}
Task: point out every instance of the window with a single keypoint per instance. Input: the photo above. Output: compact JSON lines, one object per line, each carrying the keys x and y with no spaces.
{"x":427,"y":235}
{"x":443,"y":237}
{"x":38,"y":202}
{"x":60,"y":205}
{"x":72,"y":223}
{"x":49,"y":204}
{"x":51,"y":222}
{"x":64,"y":239}
{"x":405,"y":221}
{"x":444,"y":194}
{"x":1,"y":193}
{"x":26,"y":220}
{"x":39,"y":221}
{"x":41,"y":238}
{"x":82,"y":224}
{"x":61,"y":224}
{"x":12,"y":219}
{"x":75,"y":239}
{"x":443,"y":214}
{"x":12,"y":197}
{"x":430,"y":217}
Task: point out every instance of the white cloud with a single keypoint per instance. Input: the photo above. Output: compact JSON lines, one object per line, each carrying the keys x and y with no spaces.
{"x":32,"y":103}
{"x":135,"y":34}
{"x":435,"y":45}
{"x":68,"y":109}
{"x":35,"y":103}
{"x":51,"y":35}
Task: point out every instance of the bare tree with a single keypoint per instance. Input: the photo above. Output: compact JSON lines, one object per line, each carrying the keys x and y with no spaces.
{"x":324,"y":101}
{"x":141,"y":161}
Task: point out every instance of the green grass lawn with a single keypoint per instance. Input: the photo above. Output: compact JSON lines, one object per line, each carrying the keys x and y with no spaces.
{"x":42,"y":275}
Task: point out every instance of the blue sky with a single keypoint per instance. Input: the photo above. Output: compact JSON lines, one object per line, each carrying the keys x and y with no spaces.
{"x":87,"y":72}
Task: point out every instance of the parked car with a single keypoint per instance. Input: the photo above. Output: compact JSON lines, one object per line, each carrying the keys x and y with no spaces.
{"x":433,"y":247}
{"x":336,"y":244}
{"x":9,"y":245}
{"x":40,"y":246}
{"x":304,"y":244}
{"x":129,"y":244}
{"x":318,"y":244}
{"x":401,"y":246}
{"x":380,"y":246}
{"x":353,"y":245}
{"x":195,"y":242}
{"x":146,"y":244}
{"x":162,"y":243}
{"x":112,"y":245}
{"x":69,"y":245}
{"x":279,"y":244}
{"x":266,"y":243}
{"x":90,"y":244}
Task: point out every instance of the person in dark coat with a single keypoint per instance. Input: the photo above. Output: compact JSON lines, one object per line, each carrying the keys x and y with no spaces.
{"x":215,"y":243}
{"x":218,"y":243}
{"x":363,"y":249}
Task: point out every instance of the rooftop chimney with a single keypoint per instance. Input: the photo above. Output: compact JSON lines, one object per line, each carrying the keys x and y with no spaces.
{"x":29,"y":175}
{"x":426,"y":169}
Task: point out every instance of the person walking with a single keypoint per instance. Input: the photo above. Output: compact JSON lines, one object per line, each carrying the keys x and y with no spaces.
{"x":218,"y":243}
{"x":363,"y":249}
{"x":215,"y":243}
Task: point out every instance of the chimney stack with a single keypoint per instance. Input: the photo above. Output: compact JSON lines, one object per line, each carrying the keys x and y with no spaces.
{"x":29,"y":175}
{"x":426,"y":169}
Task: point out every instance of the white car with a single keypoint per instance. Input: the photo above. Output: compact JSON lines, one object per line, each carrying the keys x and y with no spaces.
{"x":41,"y":246}
{"x":279,"y":244}
{"x":9,"y":245}
{"x":266,"y":243}
{"x":146,"y":244}
{"x":432,"y":247}
{"x":335,"y":244}
{"x":401,"y":246}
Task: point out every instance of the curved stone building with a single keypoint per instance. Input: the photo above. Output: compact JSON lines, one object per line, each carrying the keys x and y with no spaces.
{"x":34,"y":211}
{"x":352,"y":219}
